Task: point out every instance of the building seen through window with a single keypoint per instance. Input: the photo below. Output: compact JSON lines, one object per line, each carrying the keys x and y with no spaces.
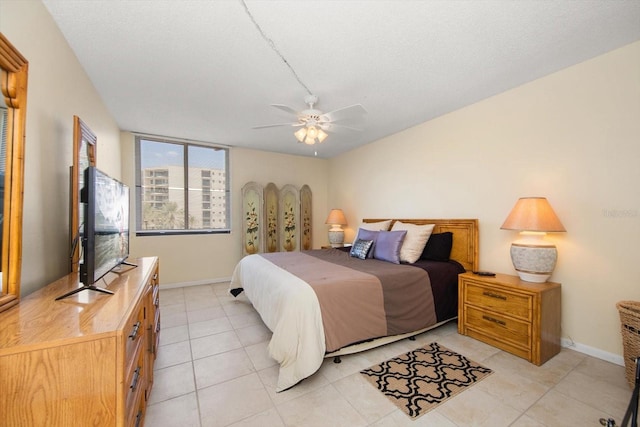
{"x":181,"y":187}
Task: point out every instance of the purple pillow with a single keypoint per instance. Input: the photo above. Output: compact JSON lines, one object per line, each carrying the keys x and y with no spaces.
{"x":387,"y":246}
{"x":364,"y":234}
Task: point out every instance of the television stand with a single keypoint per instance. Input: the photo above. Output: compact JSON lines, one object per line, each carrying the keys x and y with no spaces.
{"x":118,"y":268}
{"x":85,"y":287}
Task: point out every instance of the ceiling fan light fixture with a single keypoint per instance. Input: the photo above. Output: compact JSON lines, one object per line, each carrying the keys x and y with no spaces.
{"x":311,"y":123}
{"x":322,"y":135}
{"x":312,"y":132}
{"x":301,"y":134}
{"x":310,"y":135}
{"x":307,"y":119}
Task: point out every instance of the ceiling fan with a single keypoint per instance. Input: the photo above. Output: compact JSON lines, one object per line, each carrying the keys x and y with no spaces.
{"x":314,"y":123}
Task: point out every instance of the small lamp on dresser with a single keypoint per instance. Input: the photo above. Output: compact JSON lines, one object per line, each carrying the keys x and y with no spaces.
{"x":533,"y":257}
{"x":336,"y":219}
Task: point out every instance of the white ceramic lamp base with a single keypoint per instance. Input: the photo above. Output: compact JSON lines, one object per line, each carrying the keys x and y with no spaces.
{"x":534,"y":258}
{"x":336,"y":236}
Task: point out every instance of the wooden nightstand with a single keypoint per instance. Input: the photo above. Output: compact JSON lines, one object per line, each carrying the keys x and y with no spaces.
{"x":520,"y":317}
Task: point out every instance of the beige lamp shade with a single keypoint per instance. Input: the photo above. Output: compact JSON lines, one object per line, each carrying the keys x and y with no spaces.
{"x":533,"y":257}
{"x":336,"y":216}
{"x":533,"y":214}
{"x":336,"y":234}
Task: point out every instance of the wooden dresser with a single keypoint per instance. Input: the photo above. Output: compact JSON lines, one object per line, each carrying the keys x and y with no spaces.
{"x":86,"y":360}
{"x":520,"y":317}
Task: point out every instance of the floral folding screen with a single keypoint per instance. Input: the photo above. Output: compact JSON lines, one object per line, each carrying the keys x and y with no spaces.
{"x":252,"y":196}
{"x":271,"y":217}
{"x":289,"y":218}
{"x":305,"y":216}
{"x":276,"y":219}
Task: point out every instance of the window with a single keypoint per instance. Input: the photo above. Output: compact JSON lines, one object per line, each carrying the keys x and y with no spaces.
{"x":173,"y":188}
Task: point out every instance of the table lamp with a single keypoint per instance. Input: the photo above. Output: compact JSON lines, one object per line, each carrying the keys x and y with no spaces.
{"x":336,"y":219}
{"x":533,"y":257}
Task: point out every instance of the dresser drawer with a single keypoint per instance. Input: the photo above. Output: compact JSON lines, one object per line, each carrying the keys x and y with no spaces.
{"x":133,"y":332}
{"x":137,"y":411}
{"x":505,"y":328}
{"x":494,"y":298}
{"x":156,"y":296}
{"x":134,"y":381}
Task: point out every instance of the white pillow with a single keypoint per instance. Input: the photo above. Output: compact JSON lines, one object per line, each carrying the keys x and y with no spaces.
{"x":376,"y":226}
{"x":373,"y":226}
{"x":415,"y":240}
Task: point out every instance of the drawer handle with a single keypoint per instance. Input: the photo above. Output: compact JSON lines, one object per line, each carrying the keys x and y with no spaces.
{"x":155,"y":276}
{"x":494,"y":320}
{"x":138,"y":418}
{"x":136,"y":376}
{"x":134,"y":331}
{"x":493,"y":295}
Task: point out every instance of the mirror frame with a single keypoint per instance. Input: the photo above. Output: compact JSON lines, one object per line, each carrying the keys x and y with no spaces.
{"x":14,"y":70}
{"x":81,"y":132}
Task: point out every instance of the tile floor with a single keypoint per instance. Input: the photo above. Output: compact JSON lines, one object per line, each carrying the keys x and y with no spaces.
{"x":213,"y":370}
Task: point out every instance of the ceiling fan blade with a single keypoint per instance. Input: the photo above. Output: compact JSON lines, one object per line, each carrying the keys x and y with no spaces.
{"x":294,"y":124}
{"x":335,"y":127}
{"x":349,"y":112}
{"x":285,"y":108}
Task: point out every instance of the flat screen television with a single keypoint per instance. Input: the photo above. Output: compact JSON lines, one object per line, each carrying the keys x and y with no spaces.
{"x":105,"y":232}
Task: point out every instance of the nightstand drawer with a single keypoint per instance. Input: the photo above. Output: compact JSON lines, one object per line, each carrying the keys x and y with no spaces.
{"x":498,"y":326}
{"x":497,"y":299}
{"x":525,"y":353}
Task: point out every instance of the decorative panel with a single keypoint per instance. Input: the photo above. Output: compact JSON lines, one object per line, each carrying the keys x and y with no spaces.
{"x":305,"y":214}
{"x":271,"y":196}
{"x":289,"y":218}
{"x":252,"y":197}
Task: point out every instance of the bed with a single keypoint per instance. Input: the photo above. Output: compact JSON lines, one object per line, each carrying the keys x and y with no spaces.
{"x":326,"y":303}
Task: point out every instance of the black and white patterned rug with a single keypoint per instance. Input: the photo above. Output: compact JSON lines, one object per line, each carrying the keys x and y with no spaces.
{"x":422,"y":379}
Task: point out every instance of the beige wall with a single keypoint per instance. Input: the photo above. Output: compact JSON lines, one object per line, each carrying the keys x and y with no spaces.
{"x":58,"y":89}
{"x":204,"y":258}
{"x":572,"y":137}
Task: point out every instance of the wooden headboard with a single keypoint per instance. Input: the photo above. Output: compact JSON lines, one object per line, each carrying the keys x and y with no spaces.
{"x":465,"y":237}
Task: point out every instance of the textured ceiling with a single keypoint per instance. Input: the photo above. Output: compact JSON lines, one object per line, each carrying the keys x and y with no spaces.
{"x":201,"y":70}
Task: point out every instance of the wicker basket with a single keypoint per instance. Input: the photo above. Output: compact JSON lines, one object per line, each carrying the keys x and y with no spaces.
{"x":630,"y":326}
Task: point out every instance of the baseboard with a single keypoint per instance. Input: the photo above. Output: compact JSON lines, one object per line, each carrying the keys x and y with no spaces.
{"x":591,"y":351}
{"x":194,"y":283}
